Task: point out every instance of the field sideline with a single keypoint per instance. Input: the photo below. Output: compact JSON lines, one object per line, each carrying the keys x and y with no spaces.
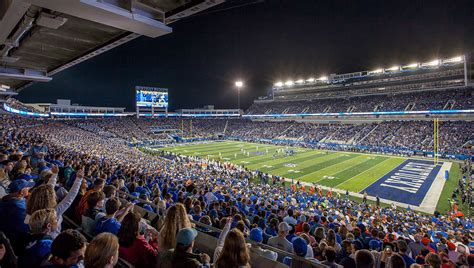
{"x":340,"y":170}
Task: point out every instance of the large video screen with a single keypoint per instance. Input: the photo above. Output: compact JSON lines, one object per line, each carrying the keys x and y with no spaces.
{"x":151,"y":97}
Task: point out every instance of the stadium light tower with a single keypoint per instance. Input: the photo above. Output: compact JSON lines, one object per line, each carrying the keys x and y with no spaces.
{"x":239,"y":84}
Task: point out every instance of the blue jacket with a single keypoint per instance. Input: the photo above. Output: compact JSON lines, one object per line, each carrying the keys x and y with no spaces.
{"x":13,"y":213}
{"x":110,"y":225}
{"x":37,"y":250}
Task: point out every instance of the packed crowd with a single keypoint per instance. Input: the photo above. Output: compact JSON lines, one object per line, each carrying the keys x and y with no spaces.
{"x":381,"y":137}
{"x":420,"y":101}
{"x":50,"y":170}
{"x":15,"y":104}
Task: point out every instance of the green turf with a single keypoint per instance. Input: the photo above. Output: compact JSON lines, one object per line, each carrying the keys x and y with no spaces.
{"x":451,"y":184}
{"x":344,"y":170}
{"x":341,"y":170}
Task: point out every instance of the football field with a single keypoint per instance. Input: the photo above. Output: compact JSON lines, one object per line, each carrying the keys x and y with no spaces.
{"x":398,"y":179}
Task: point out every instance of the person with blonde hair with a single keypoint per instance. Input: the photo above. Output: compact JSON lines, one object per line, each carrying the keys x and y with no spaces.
{"x":42,"y":224}
{"x":235,"y":253}
{"x":102,"y":251}
{"x":44,"y":196}
{"x":176,"y":219}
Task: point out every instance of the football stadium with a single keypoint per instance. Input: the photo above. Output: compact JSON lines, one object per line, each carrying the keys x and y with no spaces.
{"x":308,"y":156}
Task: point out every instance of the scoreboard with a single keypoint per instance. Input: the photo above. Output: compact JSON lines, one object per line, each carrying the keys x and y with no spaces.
{"x":151,"y":97}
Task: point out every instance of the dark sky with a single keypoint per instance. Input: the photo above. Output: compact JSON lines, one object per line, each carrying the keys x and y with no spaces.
{"x":263,"y":43}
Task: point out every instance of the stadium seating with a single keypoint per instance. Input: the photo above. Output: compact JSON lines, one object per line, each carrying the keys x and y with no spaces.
{"x":96,"y":163}
{"x":412,"y":101}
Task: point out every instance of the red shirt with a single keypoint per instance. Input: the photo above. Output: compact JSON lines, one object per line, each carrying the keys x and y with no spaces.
{"x":140,"y":253}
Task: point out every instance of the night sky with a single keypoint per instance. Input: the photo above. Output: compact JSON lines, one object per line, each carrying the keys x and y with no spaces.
{"x":263,"y":43}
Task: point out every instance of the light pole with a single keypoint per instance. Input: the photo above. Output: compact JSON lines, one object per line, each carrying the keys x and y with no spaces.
{"x":239,"y":84}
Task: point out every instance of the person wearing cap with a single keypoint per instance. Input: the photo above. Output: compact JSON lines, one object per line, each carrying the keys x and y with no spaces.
{"x":299,"y":248}
{"x":280,"y":240}
{"x":183,"y":256}
{"x":375,"y":246}
{"x":256,"y":235}
{"x":13,"y":212}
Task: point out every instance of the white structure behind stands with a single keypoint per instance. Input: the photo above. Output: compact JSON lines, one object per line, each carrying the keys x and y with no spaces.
{"x":66,"y":106}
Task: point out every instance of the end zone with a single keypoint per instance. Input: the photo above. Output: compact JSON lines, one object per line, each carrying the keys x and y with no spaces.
{"x":417,"y":183}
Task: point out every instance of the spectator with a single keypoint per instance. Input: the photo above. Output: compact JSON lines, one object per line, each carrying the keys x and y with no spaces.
{"x":183,"y":256}
{"x":403,"y":248}
{"x":175,"y":220}
{"x":364,"y":259}
{"x":134,"y":248}
{"x":4,"y":182}
{"x":280,"y":240}
{"x":13,"y":211}
{"x":234,"y":254}
{"x":289,"y":218}
{"x":395,"y":261}
{"x":44,"y":196}
{"x":330,"y":255}
{"x":433,"y":260}
{"x":222,"y":237}
{"x":98,"y":185}
{"x":102,"y":251}
{"x":7,"y":256}
{"x":42,"y":223}
{"x":416,"y":246}
{"x":95,"y":204}
{"x":256,"y":235}
{"x":111,"y":221}
{"x":67,"y":250}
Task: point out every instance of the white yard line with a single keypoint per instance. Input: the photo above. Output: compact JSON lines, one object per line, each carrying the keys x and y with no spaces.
{"x":368,"y":170}
{"x":428,"y":205}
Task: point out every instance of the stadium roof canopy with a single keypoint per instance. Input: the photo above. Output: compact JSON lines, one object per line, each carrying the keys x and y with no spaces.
{"x":39,"y":38}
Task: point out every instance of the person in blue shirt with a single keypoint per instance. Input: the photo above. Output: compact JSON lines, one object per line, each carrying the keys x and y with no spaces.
{"x":111,"y":222}
{"x":403,"y":248}
{"x":67,"y":250}
{"x":42,"y":224}
{"x":13,"y":211}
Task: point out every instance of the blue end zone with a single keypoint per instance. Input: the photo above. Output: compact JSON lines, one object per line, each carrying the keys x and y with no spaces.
{"x":408,"y":183}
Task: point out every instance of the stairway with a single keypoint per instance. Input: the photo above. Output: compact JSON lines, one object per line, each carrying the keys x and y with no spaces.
{"x":370,"y":132}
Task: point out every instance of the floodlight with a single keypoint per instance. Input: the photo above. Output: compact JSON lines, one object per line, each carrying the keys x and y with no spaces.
{"x":5,"y":86}
{"x":323,"y":78}
{"x":278,"y":84}
{"x":377,"y":71}
{"x":412,"y":65}
{"x":310,"y":80}
{"x":454,"y":60}
{"x":289,"y":83}
{"x":299,"y":81}
{"x":431,"y":63}
{"x":393,"y":68}
{"x":239,"y":84}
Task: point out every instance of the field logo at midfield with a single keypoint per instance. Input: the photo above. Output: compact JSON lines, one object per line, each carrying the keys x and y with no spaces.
{"x":408,"y":183}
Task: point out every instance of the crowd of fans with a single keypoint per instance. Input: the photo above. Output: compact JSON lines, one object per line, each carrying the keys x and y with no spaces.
{"x":50,"y":170}
{"x":386,"y":136}
{"x":419,"y":101}
{"x":15,"y":104}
